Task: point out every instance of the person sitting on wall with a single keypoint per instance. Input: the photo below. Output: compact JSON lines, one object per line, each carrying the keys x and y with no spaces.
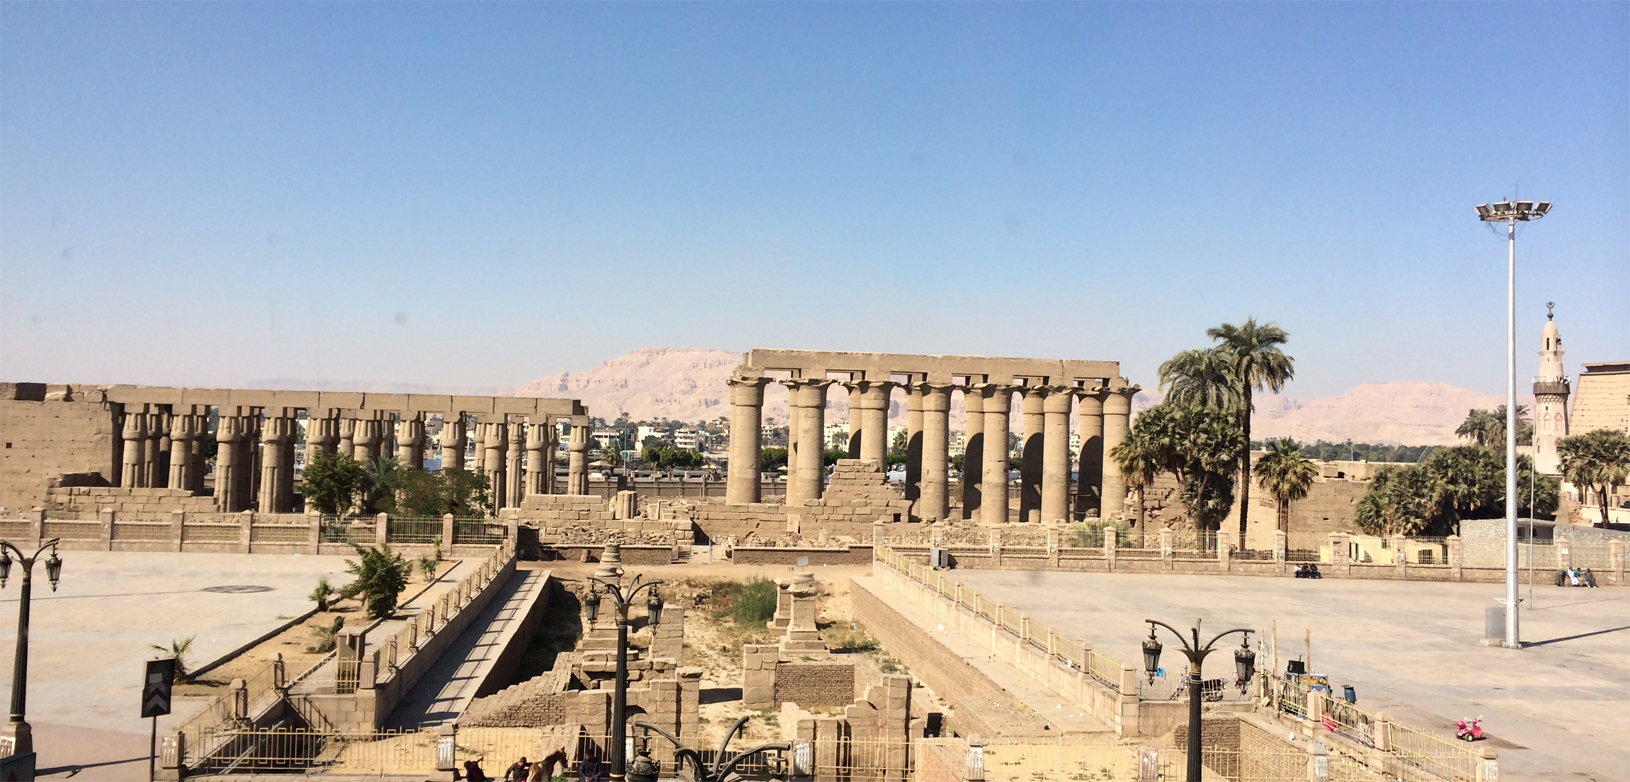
{"x":589,"y":769}
{"x":1589,"y":579}
{"x":473,"y":772}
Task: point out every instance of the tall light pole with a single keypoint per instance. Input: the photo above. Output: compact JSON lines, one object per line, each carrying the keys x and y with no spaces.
{"x":1244,"y":669}
{"x":1511,"y":213}
{"x":621,"y":599}
{"x":21,"y":734}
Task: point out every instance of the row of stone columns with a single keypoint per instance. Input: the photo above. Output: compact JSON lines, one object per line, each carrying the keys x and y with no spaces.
{"x":1044,"y":414}
{"x":164,"y":448}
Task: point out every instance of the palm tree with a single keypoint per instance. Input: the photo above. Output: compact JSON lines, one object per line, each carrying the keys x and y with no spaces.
{"x":1200,"y":377}
{"x":1598,"y":460}
{"x":1255,"y":363}
{"x":1138,"y":458}
{"x":1288,"y":474}
{"x":178,"y":650}
{"x":1479,"y":427}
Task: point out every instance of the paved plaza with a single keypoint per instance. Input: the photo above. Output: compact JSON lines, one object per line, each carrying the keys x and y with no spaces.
{"x":88,"y":640}
{"x":1410,"y":648}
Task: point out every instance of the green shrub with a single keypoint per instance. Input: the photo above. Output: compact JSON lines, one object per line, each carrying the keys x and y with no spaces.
{"x":753,"y":603}
{"x":323,"y":636}
{"x":381,"y":576}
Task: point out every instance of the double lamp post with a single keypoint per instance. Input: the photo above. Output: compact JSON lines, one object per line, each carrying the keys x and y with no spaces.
{"x":621,"y":597}
{"x":21,"y":735}
{"x":1244,"y":665}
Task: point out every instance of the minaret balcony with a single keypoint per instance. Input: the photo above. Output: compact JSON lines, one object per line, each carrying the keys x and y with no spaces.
{"x":1551,"y":387}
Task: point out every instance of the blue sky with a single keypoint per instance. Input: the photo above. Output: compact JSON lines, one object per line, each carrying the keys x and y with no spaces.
{"x":480,"y":194}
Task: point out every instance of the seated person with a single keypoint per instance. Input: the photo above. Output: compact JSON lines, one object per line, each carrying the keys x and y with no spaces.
{"x":473,"y":772}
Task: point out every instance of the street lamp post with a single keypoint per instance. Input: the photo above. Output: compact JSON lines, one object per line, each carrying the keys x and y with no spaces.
{"x":1511,"y":213}
{"x":1244,"y":663}
{"x":621,"y":599}
{"x":21,"y":735}
{"x":724,"y":763}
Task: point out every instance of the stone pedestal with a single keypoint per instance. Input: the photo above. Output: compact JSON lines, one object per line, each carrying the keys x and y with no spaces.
{"x":802,"y":636}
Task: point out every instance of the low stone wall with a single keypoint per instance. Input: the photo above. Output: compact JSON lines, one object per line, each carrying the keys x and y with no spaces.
{"x":815,"y":684}
{"x":632,"y":555}
{"x":244,"y":533}
{"x":772,"y":555}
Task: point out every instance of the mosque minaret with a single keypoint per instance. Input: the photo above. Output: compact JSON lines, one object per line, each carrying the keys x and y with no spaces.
{"x":1550,"y":398}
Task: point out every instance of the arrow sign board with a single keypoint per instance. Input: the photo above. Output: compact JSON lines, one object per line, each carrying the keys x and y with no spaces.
{"x":155,"y":691}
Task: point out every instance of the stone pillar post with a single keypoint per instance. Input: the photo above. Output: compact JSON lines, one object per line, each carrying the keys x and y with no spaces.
{"x":494,"y":441}
{"x":994,"y":504}
{"x":746,"y":440}
{"x":1090,"y":473}
{"x":1280,"y":546}
{"x":1031,"y":448}
{"x":229,"y":437}
{"x":196,"y":458}
{"x":1564,"y":552}
{"x":515,"y":466}
{"x":183,"y":430}
{"x":347,"y":432}
{"x":1456,"y":557}
{"x":914,"y":440}
{"x":809,"y":406}
{"x":133,"y":432}
{"x":1400,"y":554}
{"x":249,"y":451}
{"x":151,"y":477}
{"x":366,"y":437}
{"x":161,"y":465}
{"x":453,"y":439}
{"x":322,"y":432}
{"x":278,"y":430}
{"x":1055,"y":475}
{"x":410,"y":441}
{"x":855,"y":422}
{"x":932,"y":502}
{"x":973,"y":454}
{"x":577,"y":467}
{"x":874,"y":421}
{"x":1117,"y":410}
{"x":1615,"y":559}
{"x":537,"y":467}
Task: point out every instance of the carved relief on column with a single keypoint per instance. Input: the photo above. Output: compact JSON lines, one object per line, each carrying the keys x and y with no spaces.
{"x":998,"y":400}
{"x":1089,"y":489}
{"x":229,"y":437}
{"x":746,"y":438}
{"x":914,"y":439}
{"x":1055,"y":472}
{"x":1033,"y":435}
{"x":933,"y":500}
{"x":1117,"y":413}
{"x":410,"y":441}
{"x":161,"y":435}
{"x":453,"y":439}
{"x":133,"y":433}
{"x":275,"y":432}
{"x":515,"y":465}
{"x":973,"y":454}
{"x":183,"y":430}
{"x":248,"y":458}
{"x":494,"y":443}
{"x":153,"y":429}
{"x":538,"y":431}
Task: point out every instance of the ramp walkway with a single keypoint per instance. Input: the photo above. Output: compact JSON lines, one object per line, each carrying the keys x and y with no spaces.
{"x":484,"y":655}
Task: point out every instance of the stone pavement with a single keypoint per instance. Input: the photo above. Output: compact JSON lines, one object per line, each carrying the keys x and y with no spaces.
{"x":88,"y":641}
{"x":449,"y":686}
{"x":1409,"y":648}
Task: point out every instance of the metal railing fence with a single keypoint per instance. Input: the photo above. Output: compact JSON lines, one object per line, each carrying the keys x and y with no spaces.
{"x":423,"y":530}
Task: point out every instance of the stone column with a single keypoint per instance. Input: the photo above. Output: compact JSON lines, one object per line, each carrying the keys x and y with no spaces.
{"x":248,"y":487}
{"x":410,"y":441}
{"x":183,"y":430}
{"x":932,"y":504}
{"x":133,"y":432}
{"x":809,"y":406}
{"x":151,"y":477}
{"x":914,"y":440}
{"x":195,"y":459}
{"x":537,"y":465}
{"x":453,"y":439}
{"x":998,"y":401}
{"x":494,"y":442}
{"x":366,"y":438}
{"x":229,"y":437}
{"x":973,"y":453}
{"x":278,"y":430}
{"x":746,"y":433}
{"x":1090,"y":475}
{"x":577,"y":477}
{"x":1055,"y":474}
{"x":161,"y":465}
{"x":1031,"y":447}
{"x":1117,"y":409}
{"x":347,"y":434}
{"x":874,"y":421}
{"x":515,"y":466}
{"x":855,"y":424}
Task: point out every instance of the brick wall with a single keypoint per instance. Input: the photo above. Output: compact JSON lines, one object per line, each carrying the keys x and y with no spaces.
{"x":815,"y":684}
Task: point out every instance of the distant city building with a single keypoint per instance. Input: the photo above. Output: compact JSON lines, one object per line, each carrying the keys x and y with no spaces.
{"x":687,"y":439}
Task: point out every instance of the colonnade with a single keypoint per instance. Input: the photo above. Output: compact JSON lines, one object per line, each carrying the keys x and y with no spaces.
{"x":1044,"y":412}
{"x":163,"y":447}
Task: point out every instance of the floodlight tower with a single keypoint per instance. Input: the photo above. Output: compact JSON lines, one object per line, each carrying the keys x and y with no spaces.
{"x":1511,"y":213}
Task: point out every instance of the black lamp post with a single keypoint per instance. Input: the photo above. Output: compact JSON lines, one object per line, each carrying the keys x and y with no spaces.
{"x":22,"y":735}
{"x":621,"y":600}
{"x":1244,"y":664}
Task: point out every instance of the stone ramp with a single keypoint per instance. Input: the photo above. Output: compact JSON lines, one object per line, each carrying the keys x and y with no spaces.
{"x":484,"y":654}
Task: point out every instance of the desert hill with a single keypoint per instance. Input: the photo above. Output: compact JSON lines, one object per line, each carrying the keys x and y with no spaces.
{"x":688,"y":384}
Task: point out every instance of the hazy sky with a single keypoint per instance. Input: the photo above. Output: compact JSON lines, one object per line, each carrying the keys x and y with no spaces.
{"x":480,"y":194}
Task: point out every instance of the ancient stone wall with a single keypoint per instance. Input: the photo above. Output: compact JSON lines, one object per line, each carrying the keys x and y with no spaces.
{"x":815,"y":684}
{"x":858,"y":495}
{"x":776,"y":555}
{"x":53,"y":443}
{"x":129,"y":503}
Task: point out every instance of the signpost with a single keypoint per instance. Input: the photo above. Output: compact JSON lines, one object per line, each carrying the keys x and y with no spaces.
{"x":155,"y":702}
